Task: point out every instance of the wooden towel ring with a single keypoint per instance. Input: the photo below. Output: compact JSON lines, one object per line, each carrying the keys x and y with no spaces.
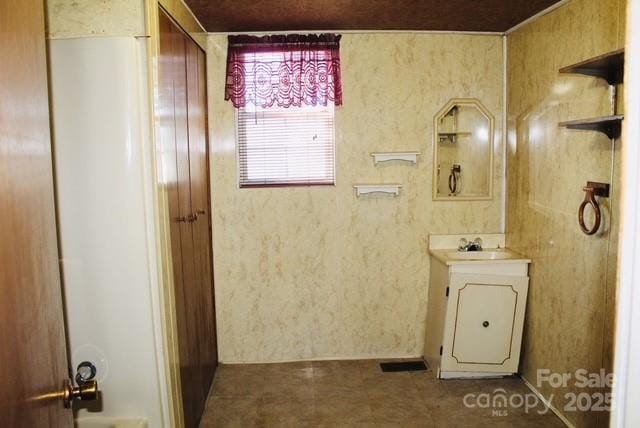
{"x":592,"y":189}
{"x":589,"y":199}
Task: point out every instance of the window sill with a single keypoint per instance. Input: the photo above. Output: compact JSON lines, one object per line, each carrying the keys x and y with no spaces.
{"x":262,"y":186}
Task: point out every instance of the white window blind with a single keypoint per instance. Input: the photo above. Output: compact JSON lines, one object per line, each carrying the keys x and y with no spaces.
{"x":280,"y":146}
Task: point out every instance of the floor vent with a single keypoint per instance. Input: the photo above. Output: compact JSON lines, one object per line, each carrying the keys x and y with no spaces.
{"x":403,"y":366}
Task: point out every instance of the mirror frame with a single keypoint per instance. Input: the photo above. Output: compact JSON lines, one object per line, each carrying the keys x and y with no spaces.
{"x":468,"y":102}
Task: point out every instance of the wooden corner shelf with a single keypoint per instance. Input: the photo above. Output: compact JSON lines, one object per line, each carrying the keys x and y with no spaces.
{"x":609,"y":67}
{"x":611,"y":126}
{"x":379,"y":157}
{"x":365,"y":189}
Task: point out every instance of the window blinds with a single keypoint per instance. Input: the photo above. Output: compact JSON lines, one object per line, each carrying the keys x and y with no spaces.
{"x":286,"y":146}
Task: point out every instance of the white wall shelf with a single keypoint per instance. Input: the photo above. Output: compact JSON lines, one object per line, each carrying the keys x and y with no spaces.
{"x":395,"y":156}
{"x":366,"y":189}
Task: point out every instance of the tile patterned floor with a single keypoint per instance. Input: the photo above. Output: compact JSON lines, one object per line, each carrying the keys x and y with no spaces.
{"x":358,"y":394}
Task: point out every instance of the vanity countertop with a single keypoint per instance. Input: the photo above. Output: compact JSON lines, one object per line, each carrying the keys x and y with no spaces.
{"x":487,"y":256}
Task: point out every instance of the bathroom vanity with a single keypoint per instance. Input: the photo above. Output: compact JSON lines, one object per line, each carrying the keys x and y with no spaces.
{"x":476,"y":307}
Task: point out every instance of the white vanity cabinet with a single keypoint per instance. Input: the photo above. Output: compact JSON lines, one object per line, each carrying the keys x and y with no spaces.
{"x":475,"y":315}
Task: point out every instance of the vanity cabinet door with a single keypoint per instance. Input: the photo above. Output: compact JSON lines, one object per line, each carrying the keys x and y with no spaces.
{"x":484,"y":323}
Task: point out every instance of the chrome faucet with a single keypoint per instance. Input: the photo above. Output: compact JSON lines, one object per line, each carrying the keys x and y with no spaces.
{"x":475,"y":245}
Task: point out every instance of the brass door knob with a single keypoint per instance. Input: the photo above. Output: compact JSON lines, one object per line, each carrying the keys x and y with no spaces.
{"x":86,"y":391}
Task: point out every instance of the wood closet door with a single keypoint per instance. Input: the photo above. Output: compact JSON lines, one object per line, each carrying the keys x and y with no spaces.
{"x":183,"y":139}
{"x":172,"y":113}
{"x":200,"y":202}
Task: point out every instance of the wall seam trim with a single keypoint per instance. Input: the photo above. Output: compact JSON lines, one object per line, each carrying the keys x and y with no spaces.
{"x":505,"y":129}
{"x":547,"y":402}
{"x":434,"y":32}
{"x":186,"y":6}
{"x":536,"y":16}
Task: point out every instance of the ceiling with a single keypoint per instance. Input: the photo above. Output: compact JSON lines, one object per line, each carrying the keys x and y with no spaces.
{"x":292,"y":15}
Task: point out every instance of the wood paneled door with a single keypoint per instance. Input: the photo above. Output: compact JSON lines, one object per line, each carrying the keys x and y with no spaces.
{"x":181,"y":112}
{"x":33,"y":355}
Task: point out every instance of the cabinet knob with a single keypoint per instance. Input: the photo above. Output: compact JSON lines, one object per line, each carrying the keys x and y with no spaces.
{"x":485,"y":324}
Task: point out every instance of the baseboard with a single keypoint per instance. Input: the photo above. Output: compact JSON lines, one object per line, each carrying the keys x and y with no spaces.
{"x":326,"y":358}
{"x":547,"y":403}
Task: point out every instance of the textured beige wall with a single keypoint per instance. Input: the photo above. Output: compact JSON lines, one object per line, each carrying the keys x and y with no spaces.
{"x":86,"y":18}
{"x":315,"y":272}
{"x":569,"y":322}
{"x":114,"y":18}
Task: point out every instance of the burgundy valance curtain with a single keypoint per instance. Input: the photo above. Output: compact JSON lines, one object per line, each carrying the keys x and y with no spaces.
{"x":284,"y":70}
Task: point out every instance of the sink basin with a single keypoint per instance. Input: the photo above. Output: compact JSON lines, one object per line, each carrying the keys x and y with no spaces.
{"x":486,"y":257}
{"x":481,"y":255}
{"x":494,"y":258}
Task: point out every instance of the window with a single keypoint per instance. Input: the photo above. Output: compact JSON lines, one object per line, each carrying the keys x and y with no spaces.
{"x":284,"y":88}
{"x":280,"y":146}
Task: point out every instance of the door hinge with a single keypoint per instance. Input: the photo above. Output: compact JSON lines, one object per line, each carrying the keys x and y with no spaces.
{"x":447,"y":292}
{"x":441,"y":350}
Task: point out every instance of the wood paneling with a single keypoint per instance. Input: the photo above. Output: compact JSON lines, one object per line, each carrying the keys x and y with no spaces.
{"x":33,"y":356}
{"x":200,"y":197}
{"x":183,"y":140}
{"x":171,"y":74}
{"x":452,"y":15}
{"x":205,"y":231}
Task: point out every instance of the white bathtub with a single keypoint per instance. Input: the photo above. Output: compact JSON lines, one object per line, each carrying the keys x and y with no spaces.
{"x":99,"y":422}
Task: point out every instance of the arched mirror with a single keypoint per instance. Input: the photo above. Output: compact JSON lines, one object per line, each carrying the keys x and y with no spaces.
{"x":463,"y":151}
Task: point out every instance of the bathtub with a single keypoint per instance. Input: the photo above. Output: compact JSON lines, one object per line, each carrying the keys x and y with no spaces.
{"x":99,"y":422}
